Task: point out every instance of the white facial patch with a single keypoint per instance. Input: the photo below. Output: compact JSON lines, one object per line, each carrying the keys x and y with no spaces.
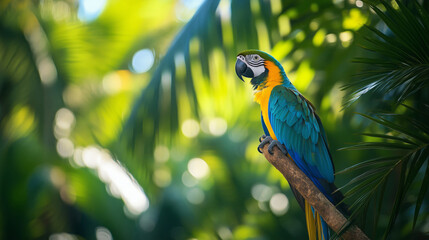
{"x":257,"y":70}
{"x":256,"y":63}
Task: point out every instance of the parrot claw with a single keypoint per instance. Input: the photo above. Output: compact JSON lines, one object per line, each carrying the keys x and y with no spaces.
{"x":264,"y":140}
{"x":267,"y":139}
{"x":279,"y":145}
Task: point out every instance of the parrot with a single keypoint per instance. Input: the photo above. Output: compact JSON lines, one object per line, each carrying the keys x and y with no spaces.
{"x":290,"y":122}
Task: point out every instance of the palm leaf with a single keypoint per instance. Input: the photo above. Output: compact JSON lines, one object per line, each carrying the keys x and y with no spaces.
{"x":148,"y":107}
{"x":408,"y":146}
{"x":21,"y":80}
{"x":367,"y":163}
{"x":421,"y":196}
{"x":401,"y":63}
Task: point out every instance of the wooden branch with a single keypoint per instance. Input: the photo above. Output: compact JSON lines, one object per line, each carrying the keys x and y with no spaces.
{"x":311,"y":193}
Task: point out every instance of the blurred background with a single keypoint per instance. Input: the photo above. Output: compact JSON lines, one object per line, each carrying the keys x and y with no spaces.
{"x":125,"y":119}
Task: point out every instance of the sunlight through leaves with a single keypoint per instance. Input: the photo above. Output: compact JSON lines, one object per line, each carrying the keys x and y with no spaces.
{"x":198,"y":168}
{"x":142,"y":61}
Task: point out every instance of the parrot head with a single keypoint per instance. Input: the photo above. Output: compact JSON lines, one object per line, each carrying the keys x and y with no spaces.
{"x":257,"y":65}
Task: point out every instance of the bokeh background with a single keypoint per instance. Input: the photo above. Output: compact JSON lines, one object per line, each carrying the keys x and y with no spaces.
{"x":125,"y":119}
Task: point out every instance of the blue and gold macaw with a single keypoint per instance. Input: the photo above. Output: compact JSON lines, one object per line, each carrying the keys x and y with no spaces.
{"x":291,"y":123}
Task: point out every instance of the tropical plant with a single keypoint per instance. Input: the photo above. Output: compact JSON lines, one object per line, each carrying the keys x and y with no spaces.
{"x":73,"y":109}
{"x":51,"y":70}
{"x":397,"y":72}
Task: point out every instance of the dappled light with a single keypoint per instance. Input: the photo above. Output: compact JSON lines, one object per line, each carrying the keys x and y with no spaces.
{"x":188,"y":179}
{"x":62,"y":236}
{"x":195,"y":196}
{"x":142,"y":61}
{"x":190,"y":128}
{"x":198,"y":168}
{"x":89,"y":10}
{"x":279,"y":204}
{"x":102,"y":233}
{"x":217,"y":126}
{"x":65,"y":147}
{"x":261,"y":192}
{"x":119,"y":181}
{"x":126,"y":119}
{"x":185,"y":9}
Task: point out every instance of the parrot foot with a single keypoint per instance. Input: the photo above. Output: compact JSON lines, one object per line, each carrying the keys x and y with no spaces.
{"x":279,"y":145}
{"x":264,"y":140}
{"x":268,"y":139}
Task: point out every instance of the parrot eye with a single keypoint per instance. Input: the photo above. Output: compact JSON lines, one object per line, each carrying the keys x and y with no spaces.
{"x":256,"y":57}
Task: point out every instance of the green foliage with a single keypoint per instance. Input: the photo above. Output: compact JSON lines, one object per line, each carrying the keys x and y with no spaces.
{"x":408,"y":150}
{"x":148,"y":108}
{"x":72,"y":111}
{"x":400,"y":66}
{"x":397,"y":71}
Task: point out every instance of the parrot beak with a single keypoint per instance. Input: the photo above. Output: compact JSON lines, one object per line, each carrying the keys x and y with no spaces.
{"x":241,"y":68}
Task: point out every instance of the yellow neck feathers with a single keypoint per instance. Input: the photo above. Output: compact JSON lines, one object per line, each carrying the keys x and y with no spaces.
{"x":274,"y":78}
{"x":263,"y":92}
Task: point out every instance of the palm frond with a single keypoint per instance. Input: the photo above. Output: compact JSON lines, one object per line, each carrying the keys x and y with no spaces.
{"x":400,"y":65}
{"x":421,"y":196}
{"x":408,"y":152}
{"x":22,"y":75}
{"x":161,"y":88}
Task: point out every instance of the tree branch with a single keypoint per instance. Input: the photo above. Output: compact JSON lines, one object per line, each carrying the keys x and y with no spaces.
{"x":311,"y":193}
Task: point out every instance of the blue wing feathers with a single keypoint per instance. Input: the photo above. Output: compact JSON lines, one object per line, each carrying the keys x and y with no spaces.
{"x":291,"y":119}
{"x":316,"y":123}
{"x":306,"y":130}
{"x":297,"y":126}
{"x":314,"y":136}
{"x":283,"y":113}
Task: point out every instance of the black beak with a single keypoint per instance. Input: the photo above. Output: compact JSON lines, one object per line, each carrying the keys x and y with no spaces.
{"x":241,"y":69}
